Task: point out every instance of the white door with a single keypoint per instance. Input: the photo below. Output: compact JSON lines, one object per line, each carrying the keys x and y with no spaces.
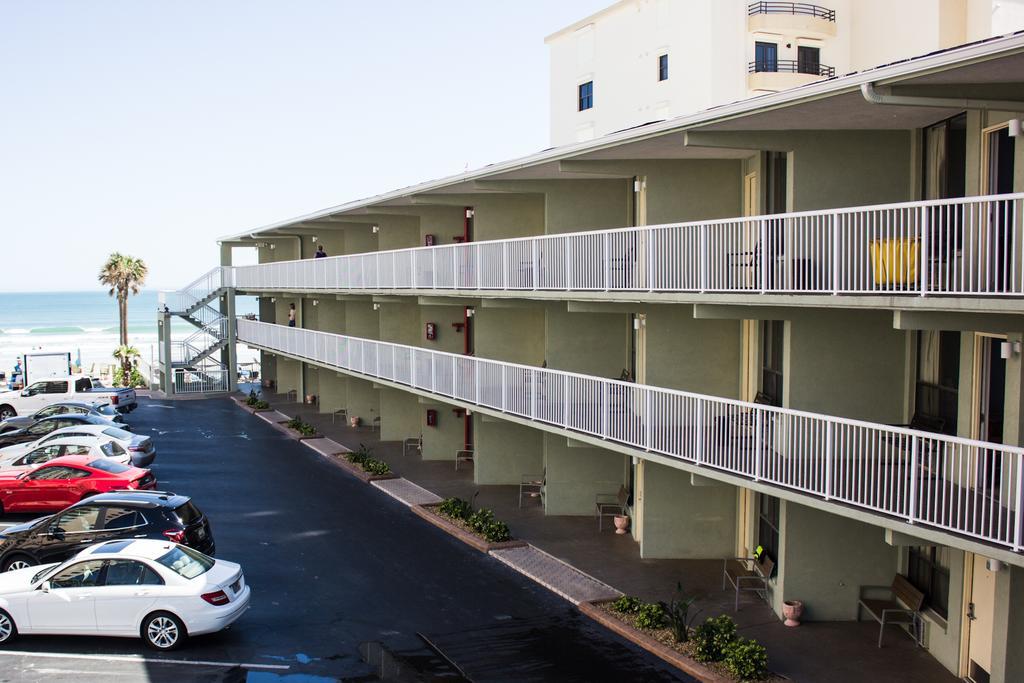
{"x":69,"y":604}
{"x":981,"y":622}
{"x":129,"y":590}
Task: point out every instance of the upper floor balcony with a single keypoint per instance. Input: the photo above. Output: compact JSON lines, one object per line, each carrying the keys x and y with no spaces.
{"x":782,"y":74}
{"x":917,"y":481}
{"x":797,"y":18}
{"x":969,"y":247}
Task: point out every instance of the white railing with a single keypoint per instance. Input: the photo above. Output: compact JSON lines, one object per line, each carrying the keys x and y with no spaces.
{"x":198,"y":290}
{"x":969,"y":246}
{"x":967,"y":487}
{"x":207,"y":379}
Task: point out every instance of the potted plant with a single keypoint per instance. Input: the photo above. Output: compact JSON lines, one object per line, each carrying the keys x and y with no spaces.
{"x":621,"y":524}
{"x":792,"y":610}
{"x":353,"y":421}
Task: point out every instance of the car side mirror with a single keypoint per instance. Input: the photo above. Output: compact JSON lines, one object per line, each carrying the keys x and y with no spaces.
{"x":26,"y":392}
{"x":45,"y":587}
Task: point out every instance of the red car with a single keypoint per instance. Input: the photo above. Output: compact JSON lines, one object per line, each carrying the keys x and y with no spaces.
{"x":67,"y":480}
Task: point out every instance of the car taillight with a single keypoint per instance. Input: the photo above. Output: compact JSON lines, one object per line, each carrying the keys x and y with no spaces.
{"x":177,"y":536}
{"x":216,"y":598}
{"x":113,"y":400}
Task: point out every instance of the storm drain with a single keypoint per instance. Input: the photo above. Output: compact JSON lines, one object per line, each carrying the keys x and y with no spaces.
{"x":555,"y":575}
{"x":406,"y":491}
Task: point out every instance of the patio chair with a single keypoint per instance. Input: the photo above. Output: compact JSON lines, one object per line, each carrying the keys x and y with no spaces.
{"x":413,"y":442}
{"x":464,"y":455}
{"x":342,"y":413}
{"x":902,"y":605}
{"x":375,"y":424}
{"x":747,"y":574}
{"x":610,"y":505}
{"x":532,"y":486}
{"x":292,"y":395}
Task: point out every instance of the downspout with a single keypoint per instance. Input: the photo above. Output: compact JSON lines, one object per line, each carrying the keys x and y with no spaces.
{"x":872,"y":95}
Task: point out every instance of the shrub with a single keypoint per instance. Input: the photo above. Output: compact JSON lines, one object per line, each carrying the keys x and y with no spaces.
{"x":356,"y":458}
{"x":376,"y":466}
{"x":260,"y":405}
{"x":496,"y":532}
{"x":650,"y":616}
{"x":479,"y":519}
{"x":455,"y":508}
{"x":295,"y":423}
{"x":677,"y":614}
{"x":747,"y":660}
{"x":627,"y":604}
{"x":711,"y":638}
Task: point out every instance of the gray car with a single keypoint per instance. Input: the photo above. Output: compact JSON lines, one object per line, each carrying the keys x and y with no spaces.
{"x":99,"y":409}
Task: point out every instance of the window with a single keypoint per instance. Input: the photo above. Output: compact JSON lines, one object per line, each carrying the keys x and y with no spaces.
{"x":186,"y":562}
{"x":64,"y":435}
{"x":106,"y":465}
{"x":188,"y":514}
{"x":55,"y":388}
{"x":79,"y":575}
{"x":122,"y":518}
{"x":77,"y":450}
{"x":808,"y":60}
{"x":130,"y":573}
{"x":78,"y":520}
{"x":58,"y":472}
{"x":34,"y":389}
{"x":51,"y":410}
{"x":41,"y":455}
{"x":41,"y":428}
{"x":119,"y":434}
{"x":928,"y":570}
{"x":112,"y":449}
{"x":766,"y":57}
{"x":772,"y":339}
{"x":663,"y":68}
{"x":936,"y":394}
{"x":83,"y":385}
{"x":768,"y":525}
{"x":586,"y":95}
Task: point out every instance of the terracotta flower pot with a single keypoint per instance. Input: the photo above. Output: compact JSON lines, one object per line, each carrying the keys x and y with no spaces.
{"x":353,"y":421}
{"x":621,"y":523}
{"x":792,"y":610}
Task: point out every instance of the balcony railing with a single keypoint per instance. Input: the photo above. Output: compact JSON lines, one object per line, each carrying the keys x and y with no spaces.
{"x":189,"y":296}
{"x":791,"y":66}
{"x":966,"y":487}
{"x":946,"y":247}
{"x":801,"y":8}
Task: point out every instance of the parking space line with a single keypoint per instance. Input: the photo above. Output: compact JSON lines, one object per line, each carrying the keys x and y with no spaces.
{"x":140,"y":660}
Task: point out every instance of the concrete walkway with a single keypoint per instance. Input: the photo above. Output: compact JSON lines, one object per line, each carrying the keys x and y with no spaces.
{"x":839,"y":652}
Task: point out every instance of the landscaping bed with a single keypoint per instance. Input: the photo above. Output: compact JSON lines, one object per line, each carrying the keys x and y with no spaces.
{"x":363,"y":465}
{"x":461,"y":529}
{"x":257,"y":406}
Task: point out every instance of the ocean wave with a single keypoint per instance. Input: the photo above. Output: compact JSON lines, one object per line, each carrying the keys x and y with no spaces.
{"x":56,"y":330}
{"x":14,"y":330}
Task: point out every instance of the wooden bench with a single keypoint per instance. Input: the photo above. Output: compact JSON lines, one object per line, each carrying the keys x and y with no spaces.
{"x":901,"y":606}
{"x":747,"y":574}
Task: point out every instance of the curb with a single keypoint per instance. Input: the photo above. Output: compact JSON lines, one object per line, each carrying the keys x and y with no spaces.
{"x":464,"y":536}
{"x":642,"y":640}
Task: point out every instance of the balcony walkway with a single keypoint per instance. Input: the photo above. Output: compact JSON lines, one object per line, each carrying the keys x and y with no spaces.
{"x":839,"y":652}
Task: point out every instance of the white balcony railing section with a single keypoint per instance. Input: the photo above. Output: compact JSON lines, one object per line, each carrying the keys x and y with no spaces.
{"x":968,"y":487}
{"x":199,"y":290}
{"x":969,"y":246}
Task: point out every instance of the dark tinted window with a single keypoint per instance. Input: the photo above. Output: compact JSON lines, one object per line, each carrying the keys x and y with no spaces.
{"x":586,"y":95}
{"x":78,"y":575}
{"x":115,"y":433}
{"x":44,"y":427}
{"x":41,"y":455}
{"x":663,"y":68}
{"x":107,"y":465}
{"x":123,"y":518}
{"x":51,"y":410}
{"x":78,"y":519}
{"x":188,"y":514}
{"x":83,"y":385}
{"x":111,"y":449}
{"x":55,"y":388}
{"x":130,"y":573}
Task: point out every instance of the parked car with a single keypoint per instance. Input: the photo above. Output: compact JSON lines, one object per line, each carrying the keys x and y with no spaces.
{"x":102,"y":410}
{"x":139,"y":447}
{"x":48,"y":424}
{"x":58,"y":448}
{"x":56,"y":389}
{"x":66,"y":480}
{"x":161,"y":591}
{"x":106,"y":517}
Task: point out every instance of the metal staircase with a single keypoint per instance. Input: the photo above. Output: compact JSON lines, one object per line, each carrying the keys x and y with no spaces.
{"x":193,"y":365}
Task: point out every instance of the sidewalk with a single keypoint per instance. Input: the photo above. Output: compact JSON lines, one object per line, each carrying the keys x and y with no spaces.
{"x":839,"y":652}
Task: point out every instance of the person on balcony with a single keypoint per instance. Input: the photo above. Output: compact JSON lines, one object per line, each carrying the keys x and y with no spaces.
{"x":291,"y":315}
{"x":320,"y":253}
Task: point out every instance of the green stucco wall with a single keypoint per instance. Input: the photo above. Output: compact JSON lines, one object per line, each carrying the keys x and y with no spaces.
{"x":681,"y":520}
{"x":575,"y":475}
{"x":692,"y":355}
{"x":506,"y":451}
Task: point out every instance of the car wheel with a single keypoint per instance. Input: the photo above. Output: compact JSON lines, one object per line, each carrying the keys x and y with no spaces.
{"x":17,"y":562}
{"x":7,"y":412}
{"x":163,"y":631}
{"x":7,"y":628}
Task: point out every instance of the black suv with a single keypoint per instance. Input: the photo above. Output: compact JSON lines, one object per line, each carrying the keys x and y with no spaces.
{"x":105,"y":517}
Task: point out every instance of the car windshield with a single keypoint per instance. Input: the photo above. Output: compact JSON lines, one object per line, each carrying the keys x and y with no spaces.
{"x":186,"y":562}
{"x":48,"y":569}
{"x":115,"y":433}
{"x":107,"y":465}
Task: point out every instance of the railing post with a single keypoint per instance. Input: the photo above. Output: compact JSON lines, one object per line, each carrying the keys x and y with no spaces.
{"x":830,"y":429}
{"x":533,"y":394}
{"x":536,"y":265}
{"x":700,"y":436}
{"x":648,"y":421}
{"x":1018,"y":540}
{"x":565,"y":401}
{"x":703,"y":256}
{"x":836,"y":255}
{"x":766,"y":258}
{"x":433,"y":268}
{"x":922,"y":257}
{"x":412,"y":368}
{"x":504,"y":389}
{"x":504,"y":266}
{"x":455,"y":378}
{"x":476,"y":266}
{"x":649,"y":246}
{"x":568,"y":264}
{"x":605,"y":410}
{"x":758,"y":443}
{"x":476,"y":376}
{"x":607,"y":261}
{"x":912,"y":481}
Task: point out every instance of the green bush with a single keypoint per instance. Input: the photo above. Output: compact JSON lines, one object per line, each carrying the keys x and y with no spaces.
{"x":677,"y":614}
{"x":455,"y":508}
{"x":260,"y":405}
{"x":253,"y":398}
{"x":650,"y":616}
{"x":496,"y":532}
{"x":711,"y":638}
{"x":747,"y":660}
{"x":356,"y":458}
{"x":627,"y":604}
{"x":376,"y":466}
{"x":135,"y":379}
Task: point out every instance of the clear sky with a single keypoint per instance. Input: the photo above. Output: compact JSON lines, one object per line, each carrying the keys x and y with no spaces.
{"x":152,"y":127}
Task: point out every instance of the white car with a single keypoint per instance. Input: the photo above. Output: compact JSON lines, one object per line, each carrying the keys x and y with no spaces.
{"x":160,"y":591}
{"x":139,"y":447}
{"x":98,"y":447}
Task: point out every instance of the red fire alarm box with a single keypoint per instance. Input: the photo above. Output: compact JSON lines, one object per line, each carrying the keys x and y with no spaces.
{"x":429,"y":240}
{"x":431,"y":330}
{"x":431,"y":418}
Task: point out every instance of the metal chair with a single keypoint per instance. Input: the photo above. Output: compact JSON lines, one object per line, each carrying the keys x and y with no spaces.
{"x":413,"y":442}
{"x":609,"y":505}
{"x":342,"y":413}
{"x":532,"y":486}
{"x":464,"y":455}
{"x":375,"y":424}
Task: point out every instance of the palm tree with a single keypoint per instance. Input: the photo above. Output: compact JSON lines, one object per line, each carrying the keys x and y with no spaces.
{"x":123,"y":274}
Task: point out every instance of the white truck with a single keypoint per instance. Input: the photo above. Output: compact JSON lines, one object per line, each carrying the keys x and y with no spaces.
{"x":42,"y":393}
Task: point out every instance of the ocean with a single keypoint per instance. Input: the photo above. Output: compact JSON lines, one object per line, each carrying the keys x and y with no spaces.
{"x":86,"y":323}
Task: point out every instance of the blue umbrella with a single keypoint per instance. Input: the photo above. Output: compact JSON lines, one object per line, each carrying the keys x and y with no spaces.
{"x":78,"y":360}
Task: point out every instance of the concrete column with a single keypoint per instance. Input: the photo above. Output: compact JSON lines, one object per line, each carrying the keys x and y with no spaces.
{"x":232,"y":350}
{"x":289,"y":376}
{"x":505,"y":451}
{"x":363,"y":400}
{"x":441,"y":442}
{"x":402,"y":416}
{"x":333,"y":392}
{"x":167,"y":378}
{"x":577,"y":473}
{"x":684,"y":516}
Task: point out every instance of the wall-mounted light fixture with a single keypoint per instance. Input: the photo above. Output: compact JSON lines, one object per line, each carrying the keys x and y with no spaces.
{"x":470,"y":312}
{"x":314,"y":238}
{"x":316,"y":302}
{"x":273,"y":246}
{"x":375,"y":229}
{"x":1015,"y":128}
{"x":262,"y":245}
{"x":376,"y":307}
{"x":273,"y":300}
{"x":1008,"y":350}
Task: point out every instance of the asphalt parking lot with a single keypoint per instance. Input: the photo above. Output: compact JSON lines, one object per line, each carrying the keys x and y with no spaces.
{"x":347,"y":583}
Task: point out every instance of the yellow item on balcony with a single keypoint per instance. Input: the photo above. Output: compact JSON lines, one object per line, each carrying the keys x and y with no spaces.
{"x":894,"y":262}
